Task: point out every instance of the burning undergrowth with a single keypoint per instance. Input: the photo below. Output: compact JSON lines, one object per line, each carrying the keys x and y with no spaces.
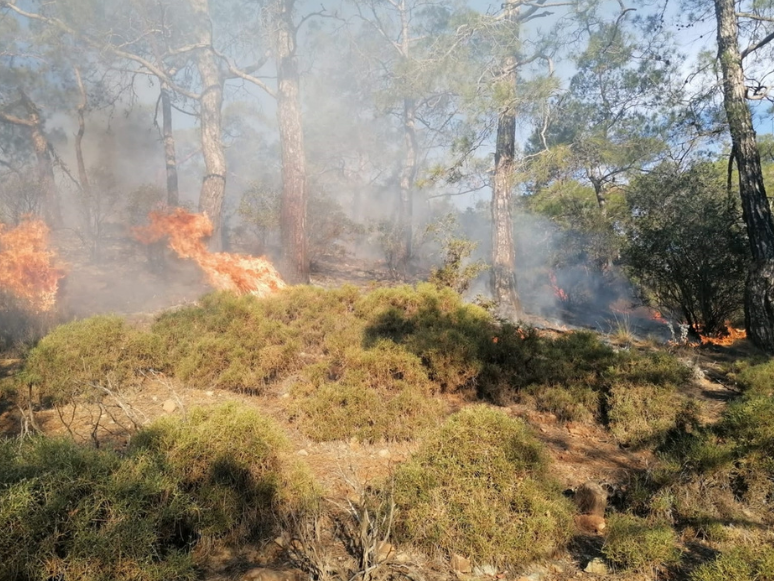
{"x":28,"y":267}
{"x":186,"y":233}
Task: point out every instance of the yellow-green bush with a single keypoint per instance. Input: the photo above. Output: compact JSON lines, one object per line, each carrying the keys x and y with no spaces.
{"x":741,"y":564}
{"x":375,"y":357}
{"x":639,"y":544}
{"x":479,"y":487}
{"x":757,"y":379}
{"x":641,"y":413}
{"x":379,"y":393}
{"x":102,"y":350}
{"x":76,"y":513}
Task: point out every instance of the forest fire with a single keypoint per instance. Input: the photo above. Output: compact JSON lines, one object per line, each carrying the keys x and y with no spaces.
{"x":728,"y":337}
{"x":235,"y":272}
{"x":559,"y":293}
{"x":26,"y":264}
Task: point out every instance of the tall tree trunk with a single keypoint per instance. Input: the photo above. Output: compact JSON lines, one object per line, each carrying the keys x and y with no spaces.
{"x":170,"y":155}
{"x":759,"y":290}
{"x":503,"y":276}
{"x":52,"y":212}
{"x":599,"y":192}
{"x":210,"y":105}
{"x":407,"y":178}
{"x":83,"y":176}
{"x":90,"y":205}
{"x":295,"y":261}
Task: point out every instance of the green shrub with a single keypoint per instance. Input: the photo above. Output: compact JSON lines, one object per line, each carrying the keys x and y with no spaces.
{"x":638,"y":544}
{"x":740,"y":564}
{"x":685,"y":243}
{"x":575,"y":403}
{"x":721,"y":473}
{"x":75,"y":513}
{"x":757,"y":379}
{"x":479,"y":487}
{"x":379,"y":393}
{"x":102,"y":350}
{"x":375,"y":358}
{"x":642,"y":413}
{"x":244,"y":343}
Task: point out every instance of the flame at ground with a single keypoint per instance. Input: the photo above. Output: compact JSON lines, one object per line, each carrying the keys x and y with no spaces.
{"x":238,"y":273}
{"x":729,"y":337}
{"x":26,"y":264}
{"x":558,"y":291}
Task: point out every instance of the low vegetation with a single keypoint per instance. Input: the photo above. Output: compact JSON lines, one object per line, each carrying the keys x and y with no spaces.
{"x":740,"y":564}
{"x":104,"y":351}
{"x":70,"y":512}
{"x":371,"y":366}
{"x":479,"y":486}
{"x":364,"y":365}
{"x":639,"y":544}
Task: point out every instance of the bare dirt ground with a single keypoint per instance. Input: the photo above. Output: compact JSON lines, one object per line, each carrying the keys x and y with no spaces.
{"x":123,"y":284}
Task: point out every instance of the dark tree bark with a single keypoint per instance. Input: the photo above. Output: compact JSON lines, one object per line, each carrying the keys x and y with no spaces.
{"x":407,"y":177}
{"x":83,"y":176}
{"x":51,"y":210}
{"x":295,"y":262}
{"x":93,"y":223}
{"x":759,"y":291}
{"x":211,"y":102}
{"x":503,"y":275}
{"x":170,"y":155}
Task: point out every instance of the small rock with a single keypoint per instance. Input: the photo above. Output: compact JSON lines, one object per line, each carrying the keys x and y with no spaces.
{"x":485,"y":571}
{"x":154,"y":398}
{"x":384,"y":551}
{"x":591,"y":498}
{"x":385,"y":453}
{"x":460,"y":564}
{"x":209,"y":393}
{"x":265,"y":574}
{"x":402,"y":557}
{"x":596,"y":566}
{"x":591,"y":523}
{"x":169,"y":406}
{"x":302,"y":453}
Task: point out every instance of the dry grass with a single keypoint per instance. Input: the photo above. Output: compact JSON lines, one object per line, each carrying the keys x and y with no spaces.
{"x":71,"y":512}
{"x":479,"y":487}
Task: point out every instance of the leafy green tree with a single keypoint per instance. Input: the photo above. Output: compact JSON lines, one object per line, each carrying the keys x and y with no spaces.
{"x":686,"y":245}
{"x":759,"y":308}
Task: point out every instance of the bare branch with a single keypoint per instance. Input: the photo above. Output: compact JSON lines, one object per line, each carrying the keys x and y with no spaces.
{"x":238,"y":73}
{"x":63,"y":27}
{"x":754,"y":16}
{"x":760,"y":44}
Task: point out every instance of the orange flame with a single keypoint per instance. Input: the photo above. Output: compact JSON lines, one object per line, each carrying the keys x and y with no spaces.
{"x":558,"y":291}
{"x":26,"y":264}
{"x":235,"y":272}
{"x":657,"y":316}
{"x":728,"y":337}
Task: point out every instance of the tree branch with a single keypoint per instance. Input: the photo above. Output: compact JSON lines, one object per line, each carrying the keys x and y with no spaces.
{"x":754,"y":16}
{"x":761,"y":43}
{"x":62,"y":26}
